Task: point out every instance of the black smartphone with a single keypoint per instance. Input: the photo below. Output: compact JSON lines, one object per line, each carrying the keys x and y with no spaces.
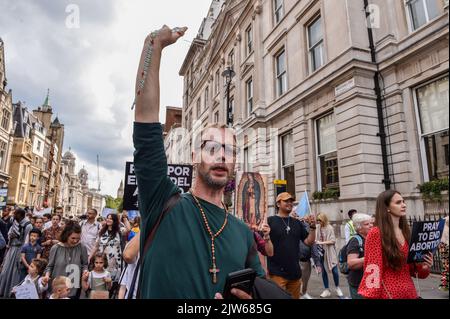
{"x":242,"y":279}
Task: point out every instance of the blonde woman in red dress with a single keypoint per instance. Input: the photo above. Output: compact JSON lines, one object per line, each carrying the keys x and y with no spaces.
{"x":387,"y":275}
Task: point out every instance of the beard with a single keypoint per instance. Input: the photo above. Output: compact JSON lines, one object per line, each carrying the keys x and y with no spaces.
{"x":206,"y":177}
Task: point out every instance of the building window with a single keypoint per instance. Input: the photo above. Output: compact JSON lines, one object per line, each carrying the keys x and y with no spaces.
{"x":287,"y":162}
{"x":315,"y":44}
{"x":34,"y":179}
{"x":217,"y":82}
{"x":249,"y":40}
{"x":39,"y":146}
{"x":3,"y":151}
{"x":216,"y":117}
{"x":281,"y":74}
{"x":278,"y":9}
{"x":206,"y":97}
{"x":423,"y":11}
{"x":327,"y":163}
{"x":199,"y":107}
{"x":5,"y":119}
{"x":249,"y":158}
{"x":433,"y":103}
{"x":249,"y":89}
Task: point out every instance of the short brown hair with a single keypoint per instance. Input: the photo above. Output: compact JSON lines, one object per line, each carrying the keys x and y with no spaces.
{"x":40,"y":264}
{"x":70,"y":228}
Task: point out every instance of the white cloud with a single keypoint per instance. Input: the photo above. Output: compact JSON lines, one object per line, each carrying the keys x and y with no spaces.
{"x":91,"y":70}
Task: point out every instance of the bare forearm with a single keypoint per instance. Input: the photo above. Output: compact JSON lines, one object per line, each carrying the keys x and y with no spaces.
{"x":147,"y":79}
{"x":147,"y":99}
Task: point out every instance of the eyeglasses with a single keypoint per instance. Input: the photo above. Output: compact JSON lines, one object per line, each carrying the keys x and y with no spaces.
{"x":213,"y":147}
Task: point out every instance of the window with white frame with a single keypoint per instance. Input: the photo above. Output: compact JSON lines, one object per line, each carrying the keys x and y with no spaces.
{"x":34,"y":179}
{"x":327,"y":162}
{"x":432,"y":105}
{"x":281,"y":73}
{"x":249,"y":90}
{"x":423,"y":11}
{"x":287,"y":162}
{"x":278,"y":10}
{"x":249,"y":158}
{"x":315,"y":44}
{"x":249,"y":40}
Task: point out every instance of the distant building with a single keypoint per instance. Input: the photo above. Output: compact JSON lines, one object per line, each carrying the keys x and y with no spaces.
{"x":6,"y":124}
{"x":120,"y":190}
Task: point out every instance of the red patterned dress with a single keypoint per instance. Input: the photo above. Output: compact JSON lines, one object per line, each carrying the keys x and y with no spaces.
{"x":381,"y":281}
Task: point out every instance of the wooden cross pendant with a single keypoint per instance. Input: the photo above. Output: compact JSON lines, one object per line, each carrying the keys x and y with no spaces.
{"x":214,"y":272}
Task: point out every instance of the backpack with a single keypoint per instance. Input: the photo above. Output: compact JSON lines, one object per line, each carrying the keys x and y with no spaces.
{"x":342,"y":256}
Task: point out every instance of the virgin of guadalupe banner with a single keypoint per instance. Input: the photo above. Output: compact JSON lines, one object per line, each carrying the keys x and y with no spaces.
{"x":251,"y":205}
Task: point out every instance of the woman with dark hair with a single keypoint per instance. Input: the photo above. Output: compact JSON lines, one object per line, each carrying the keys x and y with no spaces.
{"x":17,"y":235}
{"x":109,"y":243}
{"x":387,"y":275}
{"x":68,"y":258}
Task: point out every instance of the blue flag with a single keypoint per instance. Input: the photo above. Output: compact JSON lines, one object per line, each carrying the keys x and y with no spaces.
{"x":303,"y":206}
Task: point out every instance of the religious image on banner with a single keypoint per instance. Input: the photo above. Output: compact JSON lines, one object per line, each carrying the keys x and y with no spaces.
{"x":251,"y":205}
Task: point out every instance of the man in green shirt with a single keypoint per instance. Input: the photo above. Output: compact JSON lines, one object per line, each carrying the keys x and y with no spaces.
{"x":197,"y":243}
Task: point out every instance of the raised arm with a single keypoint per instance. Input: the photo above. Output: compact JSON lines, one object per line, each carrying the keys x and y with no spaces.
{"x":147,"y":95}
{"x":150,"y":162}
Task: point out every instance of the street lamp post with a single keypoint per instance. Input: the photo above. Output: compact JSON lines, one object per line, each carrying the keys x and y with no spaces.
{"x":228,"y":74}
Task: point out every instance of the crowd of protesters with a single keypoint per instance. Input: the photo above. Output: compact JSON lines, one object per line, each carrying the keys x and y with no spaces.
{"x":104,"y":253}
{"x":80,"y":255}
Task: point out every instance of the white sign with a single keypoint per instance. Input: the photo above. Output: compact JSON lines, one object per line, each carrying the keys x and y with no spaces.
{"x":26,"y":291}
{"x":344,"y":87}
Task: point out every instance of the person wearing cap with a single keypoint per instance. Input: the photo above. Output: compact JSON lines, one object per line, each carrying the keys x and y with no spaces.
{"x":286,"y":233}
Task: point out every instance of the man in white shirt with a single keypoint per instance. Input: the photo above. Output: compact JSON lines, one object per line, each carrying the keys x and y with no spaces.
{"x":89,"y":231}
{"x":349,"y":229}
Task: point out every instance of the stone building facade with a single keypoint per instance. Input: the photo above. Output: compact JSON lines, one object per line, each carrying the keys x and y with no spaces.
{"x":6,"y":124}
{"x":306,"y":79}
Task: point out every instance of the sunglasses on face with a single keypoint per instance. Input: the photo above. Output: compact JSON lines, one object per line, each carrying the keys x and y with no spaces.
{"x":213,"y":148}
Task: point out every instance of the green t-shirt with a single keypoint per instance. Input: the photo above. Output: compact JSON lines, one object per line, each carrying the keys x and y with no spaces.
{"x":178,"y":262}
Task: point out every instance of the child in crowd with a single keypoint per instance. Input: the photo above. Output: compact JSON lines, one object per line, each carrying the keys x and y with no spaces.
{"x":60,"y":288}
{"x":98,"y":282}
{"x":30,"y":251}
{"x":35,"y":271}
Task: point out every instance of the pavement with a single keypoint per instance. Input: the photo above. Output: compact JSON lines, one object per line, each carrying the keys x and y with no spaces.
{"x":426,"y":288}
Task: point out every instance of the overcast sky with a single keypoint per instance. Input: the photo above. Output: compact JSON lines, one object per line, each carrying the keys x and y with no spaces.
{"x":91,"y":70}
